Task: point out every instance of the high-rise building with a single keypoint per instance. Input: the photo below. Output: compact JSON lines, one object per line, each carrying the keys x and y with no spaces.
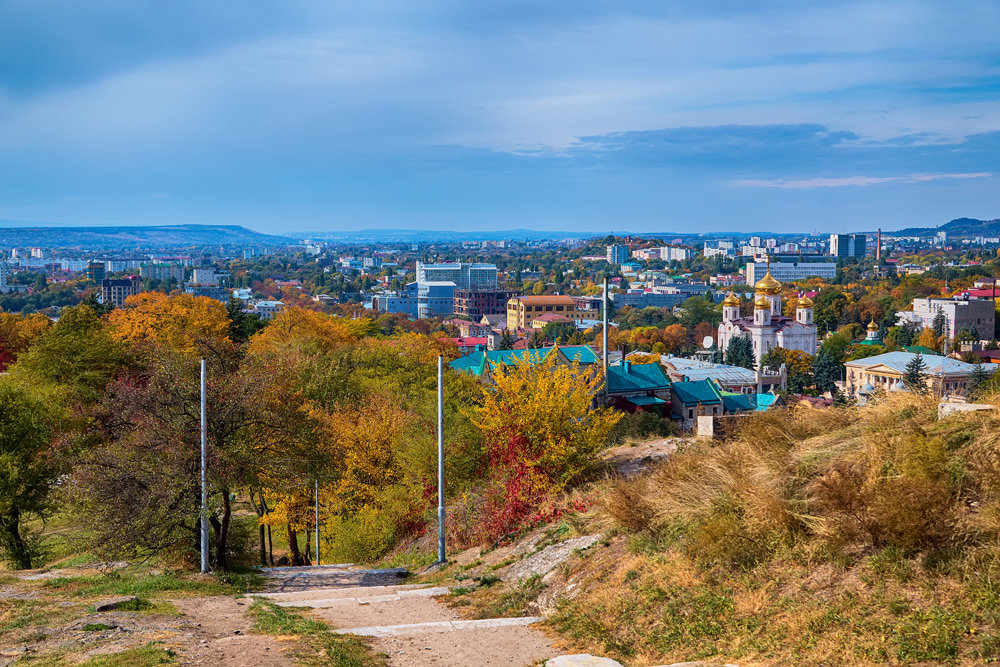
{"x":464,"y":275}
{"x":116,"y":290}
{"x":617,"y":253}
{"x":848,"y":245}
{"x":95,"y":271}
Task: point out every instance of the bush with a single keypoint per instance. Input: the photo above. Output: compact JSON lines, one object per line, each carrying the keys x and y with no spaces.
{"x":641,"y":425}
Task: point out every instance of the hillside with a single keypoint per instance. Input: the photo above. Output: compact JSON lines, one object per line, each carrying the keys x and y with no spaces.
{"x":813,"y":537}
{"x":956,"y":227}
{"x":114,"y":238}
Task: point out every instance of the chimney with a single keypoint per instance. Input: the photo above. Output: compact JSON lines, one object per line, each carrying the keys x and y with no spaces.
{"x":627,"y":365}
{"x":878,"y":246}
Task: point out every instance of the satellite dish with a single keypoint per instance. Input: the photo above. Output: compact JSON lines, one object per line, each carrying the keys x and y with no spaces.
{"x":708,"y":342}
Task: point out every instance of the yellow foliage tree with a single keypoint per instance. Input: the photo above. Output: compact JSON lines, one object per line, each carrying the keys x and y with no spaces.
{"x":548,"y":406}
{"x":927,"y":338}
{"x":307,"y":330}
{"x":177,"y":321}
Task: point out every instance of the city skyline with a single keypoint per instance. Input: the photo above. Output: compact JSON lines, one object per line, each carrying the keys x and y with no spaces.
{"x":303,"y":117}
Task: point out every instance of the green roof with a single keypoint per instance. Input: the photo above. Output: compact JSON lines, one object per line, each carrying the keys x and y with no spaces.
{"x":699,"y":391}
{"x":645,"y":400}
{"x":734,"y":402}
{"x":476,"y":362}
{"x":636,"y":377}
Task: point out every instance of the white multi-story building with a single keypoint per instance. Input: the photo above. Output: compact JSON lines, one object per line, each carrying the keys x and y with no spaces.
{"x":617,"y":253}
{"x":464,"y":275}
{"x":716,"y":252}
{"x":674,"y":254}
{"x":975,"y":314}
{"x":768,"y":328}
{"x":788,"y":272}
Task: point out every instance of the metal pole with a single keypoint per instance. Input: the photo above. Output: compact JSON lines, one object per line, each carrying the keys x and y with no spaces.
{"x":317,"y":521}
{"x":204,"y":466}
{"x":441,"y":555}
{"x":605,"y":327}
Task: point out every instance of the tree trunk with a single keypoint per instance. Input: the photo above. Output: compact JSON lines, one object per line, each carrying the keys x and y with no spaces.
{"x":270,"y":547}
{"x":293,"y":547}
{"x":10,"y":526}
{"x":221,"y":551}
{"x":260,"y":528}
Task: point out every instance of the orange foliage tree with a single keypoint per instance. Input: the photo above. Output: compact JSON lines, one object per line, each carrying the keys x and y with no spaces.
{"x":178,"y":322}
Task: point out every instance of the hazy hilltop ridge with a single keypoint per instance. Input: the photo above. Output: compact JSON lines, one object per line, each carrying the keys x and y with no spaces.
{"x":126,"y":237}
{"x":962,"y":226}
{"x":840,"y":536}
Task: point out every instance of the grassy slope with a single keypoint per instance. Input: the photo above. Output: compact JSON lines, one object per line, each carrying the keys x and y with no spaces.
{"x":836,"y":537}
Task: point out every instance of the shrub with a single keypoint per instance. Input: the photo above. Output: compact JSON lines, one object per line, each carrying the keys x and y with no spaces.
{"x":641,"y":425}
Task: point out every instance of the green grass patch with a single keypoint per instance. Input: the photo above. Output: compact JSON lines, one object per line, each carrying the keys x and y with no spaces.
{"x":513,"y":602}
{"x":145,"y":656}
{"x":151,"y":585}
{"x":325,"y":647}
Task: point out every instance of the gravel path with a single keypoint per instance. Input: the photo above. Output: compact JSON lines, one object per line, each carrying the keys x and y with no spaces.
{"x":406,"y":622}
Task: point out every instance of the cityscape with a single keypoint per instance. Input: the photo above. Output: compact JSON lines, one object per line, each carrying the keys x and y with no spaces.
{"x":536,"y":334}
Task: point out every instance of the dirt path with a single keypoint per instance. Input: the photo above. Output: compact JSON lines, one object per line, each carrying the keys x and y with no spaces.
{"x":407,"y":622}
{"x":216,"y":631}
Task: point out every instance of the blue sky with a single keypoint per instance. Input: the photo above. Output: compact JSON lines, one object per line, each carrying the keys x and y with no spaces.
{"x":585,"y":115}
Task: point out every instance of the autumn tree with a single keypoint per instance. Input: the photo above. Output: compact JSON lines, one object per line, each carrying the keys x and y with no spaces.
{"x":27,"y":470}
{"x":178,"y":322}
{"x":541,"y":435}
{"x":139,"y":488}
{"x":77,"y":357}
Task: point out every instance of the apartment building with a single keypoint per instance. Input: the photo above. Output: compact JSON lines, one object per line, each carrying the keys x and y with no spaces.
{"x":522,"y":310}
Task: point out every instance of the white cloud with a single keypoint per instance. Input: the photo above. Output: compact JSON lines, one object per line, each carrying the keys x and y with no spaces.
{"x":847,"y":181}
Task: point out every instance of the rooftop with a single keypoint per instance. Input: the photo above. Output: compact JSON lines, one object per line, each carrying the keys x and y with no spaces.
{"x":897,"y":361}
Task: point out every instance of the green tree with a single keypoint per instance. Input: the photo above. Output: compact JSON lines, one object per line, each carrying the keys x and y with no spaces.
{"x":242,"y":325}
{"x":506,"y":341}
{"x":739,"y":352}
{"x":977,"y":380}
{"x":915,"y":377}
{"x":826,"y":372}
{"x":940,"y":324}
{"x":77,"y":354}
{"x":26,"y":473}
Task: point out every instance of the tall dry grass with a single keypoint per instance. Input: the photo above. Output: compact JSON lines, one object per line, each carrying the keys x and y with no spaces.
{"x":844,"y":479}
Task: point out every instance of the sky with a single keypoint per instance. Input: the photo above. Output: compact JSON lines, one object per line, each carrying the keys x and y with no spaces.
{"x":660,"y":116}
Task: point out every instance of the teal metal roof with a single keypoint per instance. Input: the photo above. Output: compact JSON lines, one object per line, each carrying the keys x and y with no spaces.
{"x":921,"y":349}
{"x":646,"y":400}
{"x":764,"y":401}
{"x":636,"y":377}
{"x":700,"y":391}
{"x":476,"y":363}
{"x":737,"y":402}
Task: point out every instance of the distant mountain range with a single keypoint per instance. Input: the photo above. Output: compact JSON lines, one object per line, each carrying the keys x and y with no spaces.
{"x":123,"y":238}
{"x":444,"y":235}
{"x":956,"y":227}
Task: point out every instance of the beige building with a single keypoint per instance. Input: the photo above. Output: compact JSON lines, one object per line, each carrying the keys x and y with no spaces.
{"x":884,"y":372}
{"x":522,"y":310}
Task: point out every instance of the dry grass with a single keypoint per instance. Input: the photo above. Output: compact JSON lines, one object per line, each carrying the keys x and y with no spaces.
{"x":842,"y":536}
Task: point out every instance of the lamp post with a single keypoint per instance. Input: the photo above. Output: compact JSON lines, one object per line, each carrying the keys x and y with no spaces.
{"x":204,"y":465}
{"x":440,"y":434}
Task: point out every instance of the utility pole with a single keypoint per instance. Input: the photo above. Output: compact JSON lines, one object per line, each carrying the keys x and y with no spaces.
{"x":317,"y":521}
{"x":604,"y":312}
{"x":440,"y":429}
{"x":204,"y":465}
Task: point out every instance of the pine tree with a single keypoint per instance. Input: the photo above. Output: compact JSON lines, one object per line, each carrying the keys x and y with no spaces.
{"x":977,"y":379}
{"x":915,"y":377}
{"x":739,"y":352}
{"x":826,"y":372}
{"x":940,"y":324}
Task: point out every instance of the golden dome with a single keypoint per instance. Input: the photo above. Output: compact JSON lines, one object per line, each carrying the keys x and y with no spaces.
{"x":762,"y":302}
{"x":731,"y":300}
{"x":768,"y":285}
{"x":872,"y":326}
{"x":805,"y":302}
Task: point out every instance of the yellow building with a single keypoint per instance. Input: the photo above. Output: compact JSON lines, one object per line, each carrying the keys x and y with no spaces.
{"x":522,"y":310}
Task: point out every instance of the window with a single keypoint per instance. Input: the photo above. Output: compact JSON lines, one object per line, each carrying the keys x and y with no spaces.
{"x":690,"y":414}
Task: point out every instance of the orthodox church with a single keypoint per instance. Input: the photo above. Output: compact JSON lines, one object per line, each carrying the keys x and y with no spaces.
{"x":768,"y":328}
